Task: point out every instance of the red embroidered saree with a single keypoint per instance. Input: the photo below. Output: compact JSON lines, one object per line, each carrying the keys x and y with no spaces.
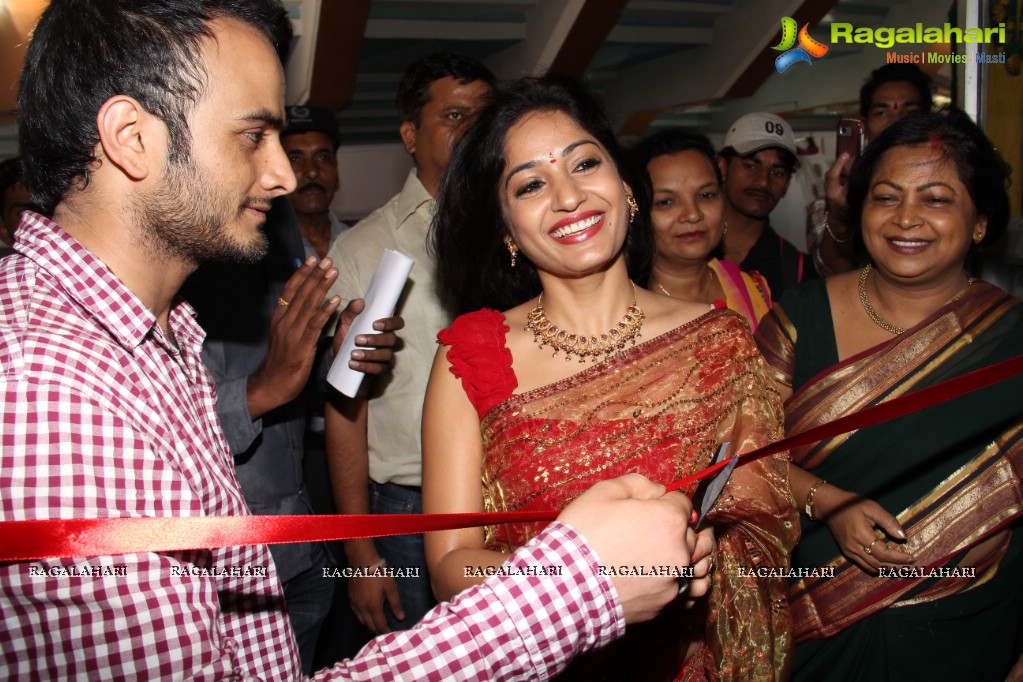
{"x":661,"y":409}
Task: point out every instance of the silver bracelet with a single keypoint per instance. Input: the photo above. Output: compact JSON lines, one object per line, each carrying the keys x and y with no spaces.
{"x":820,"y":225}
{"x":372,"y":568}
{"x":833,"y":237}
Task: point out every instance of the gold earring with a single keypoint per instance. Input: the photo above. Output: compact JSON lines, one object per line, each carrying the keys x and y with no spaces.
{"x":978,"y":237}
{"x":633,"y":207}
{"x":513,"y":250}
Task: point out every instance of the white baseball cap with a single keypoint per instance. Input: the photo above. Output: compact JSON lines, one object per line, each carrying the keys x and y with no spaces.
{"x":760,"y":130}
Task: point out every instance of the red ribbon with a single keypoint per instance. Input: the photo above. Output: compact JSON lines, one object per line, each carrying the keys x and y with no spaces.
{"x":46,"y":538}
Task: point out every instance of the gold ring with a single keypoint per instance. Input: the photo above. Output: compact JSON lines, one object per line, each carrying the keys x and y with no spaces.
{"x":282,"y":303}
{"x":867,"y":547}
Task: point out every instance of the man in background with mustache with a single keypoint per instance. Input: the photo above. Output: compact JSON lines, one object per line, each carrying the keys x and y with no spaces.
{"x":756,"y":164}
{"x":311,"y":141}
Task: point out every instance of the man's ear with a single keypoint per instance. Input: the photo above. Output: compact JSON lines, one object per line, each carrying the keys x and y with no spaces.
{"x":129,"y":136}
{"x":723,"y":167}
{"x":408,"y":136}
{"x":337,"y":173}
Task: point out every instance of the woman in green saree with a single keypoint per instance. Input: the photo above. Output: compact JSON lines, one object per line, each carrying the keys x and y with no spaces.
{"x":913,"y":525}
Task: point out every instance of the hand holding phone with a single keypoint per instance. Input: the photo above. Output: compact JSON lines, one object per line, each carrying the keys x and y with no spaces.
{"x":850,"y":138}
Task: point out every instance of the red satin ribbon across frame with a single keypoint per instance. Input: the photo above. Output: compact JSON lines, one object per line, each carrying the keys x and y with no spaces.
{"x":51,"y":538}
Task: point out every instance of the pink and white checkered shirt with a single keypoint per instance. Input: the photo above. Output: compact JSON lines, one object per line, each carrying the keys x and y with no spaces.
{"x":102,"y":416}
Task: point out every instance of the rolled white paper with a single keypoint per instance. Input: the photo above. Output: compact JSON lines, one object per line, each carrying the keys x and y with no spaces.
{"x":381,"y":298}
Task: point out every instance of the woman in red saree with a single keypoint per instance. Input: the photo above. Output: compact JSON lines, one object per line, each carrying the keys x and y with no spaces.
{"x":918,"y":518}
{"x":534,"y":218}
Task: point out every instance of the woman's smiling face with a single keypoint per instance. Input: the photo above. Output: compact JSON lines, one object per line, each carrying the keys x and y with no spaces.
{"x":687,"y":205}
{"x":918,"y":218}
{"x":561,"y":195}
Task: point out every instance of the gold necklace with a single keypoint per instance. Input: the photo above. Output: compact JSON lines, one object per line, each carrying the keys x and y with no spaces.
{"x":878,"y":320}
{"x":546,"y":333}
{"x":707,"y":285}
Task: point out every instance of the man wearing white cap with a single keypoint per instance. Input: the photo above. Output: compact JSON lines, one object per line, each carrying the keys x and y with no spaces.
{"x":757,"y":163}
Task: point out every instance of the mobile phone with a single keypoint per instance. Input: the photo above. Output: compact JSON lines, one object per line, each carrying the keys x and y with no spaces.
{"x":850,"y":138}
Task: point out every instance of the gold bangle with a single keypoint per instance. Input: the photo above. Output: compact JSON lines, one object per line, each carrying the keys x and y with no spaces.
{"x":808,"y":507}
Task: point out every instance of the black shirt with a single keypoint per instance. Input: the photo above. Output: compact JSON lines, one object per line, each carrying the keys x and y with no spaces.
{"x":778,"y":262}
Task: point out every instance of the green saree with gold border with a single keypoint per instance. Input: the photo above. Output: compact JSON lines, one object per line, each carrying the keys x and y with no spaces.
{"x":951,"y":474}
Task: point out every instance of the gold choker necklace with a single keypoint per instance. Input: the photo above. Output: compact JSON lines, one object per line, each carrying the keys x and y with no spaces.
{"x":878,"y":320}
{"x":546,"y":333}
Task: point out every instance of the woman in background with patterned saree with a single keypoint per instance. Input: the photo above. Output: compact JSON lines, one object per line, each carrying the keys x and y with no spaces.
{"x":936,"y":489}
{"x":534,"y":218}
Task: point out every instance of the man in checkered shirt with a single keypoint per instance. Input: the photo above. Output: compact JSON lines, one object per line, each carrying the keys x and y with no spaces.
{"x":150,"y":134}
